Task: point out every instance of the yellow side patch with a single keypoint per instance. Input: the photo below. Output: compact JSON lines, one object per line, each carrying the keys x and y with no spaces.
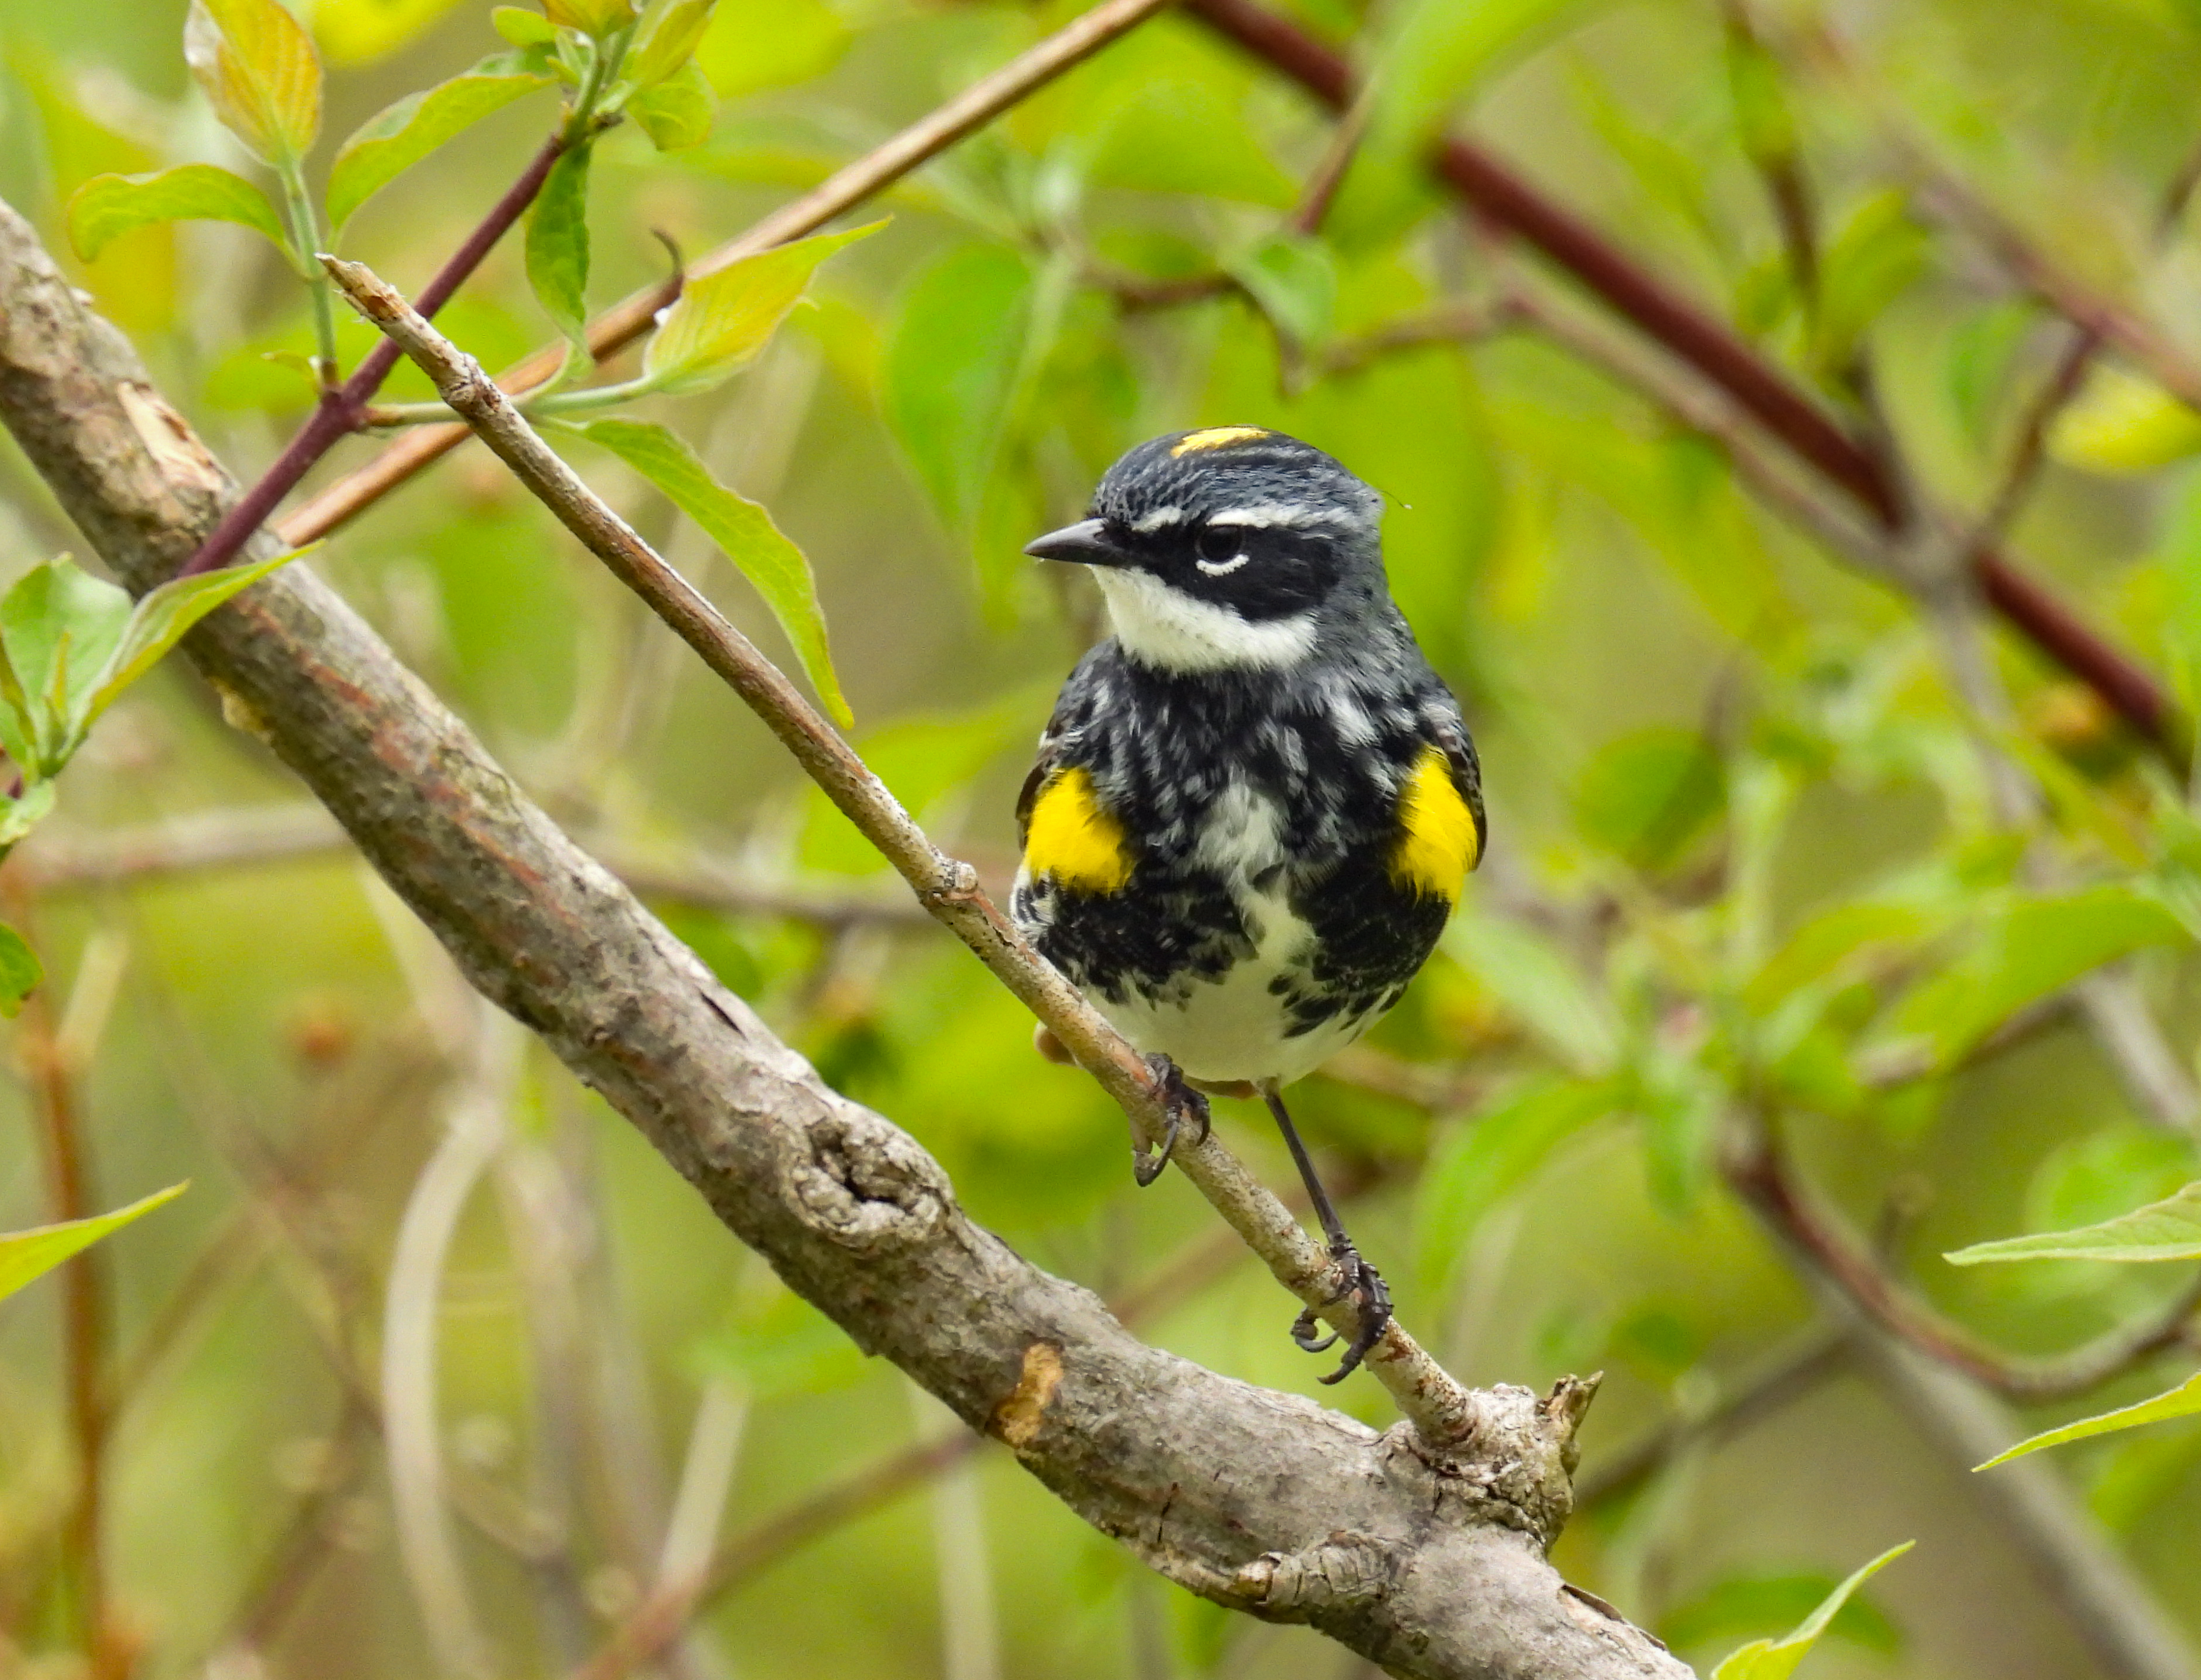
{"x":1074,"y":838}
{"x":1215,"y":437}
{"x":1436,"y":841}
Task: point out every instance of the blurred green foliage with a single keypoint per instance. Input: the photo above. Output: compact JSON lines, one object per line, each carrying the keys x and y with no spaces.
{"x":1750,"y":860}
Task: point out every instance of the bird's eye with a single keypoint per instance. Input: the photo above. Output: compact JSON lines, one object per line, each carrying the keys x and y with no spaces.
{"x":1217,"y":543}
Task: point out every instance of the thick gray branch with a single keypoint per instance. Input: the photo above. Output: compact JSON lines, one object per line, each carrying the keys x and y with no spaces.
{"x":1258,"y":1499}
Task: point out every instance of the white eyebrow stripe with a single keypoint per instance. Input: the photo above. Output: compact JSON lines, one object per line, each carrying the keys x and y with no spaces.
{"x":1262,"y":515}
{"x":1159,"y":519}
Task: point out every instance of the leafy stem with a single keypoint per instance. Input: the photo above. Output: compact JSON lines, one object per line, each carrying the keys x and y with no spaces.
{"x":306,"y":236}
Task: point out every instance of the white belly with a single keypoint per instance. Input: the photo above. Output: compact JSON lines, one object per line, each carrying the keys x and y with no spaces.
{"x":1235,"y":1027}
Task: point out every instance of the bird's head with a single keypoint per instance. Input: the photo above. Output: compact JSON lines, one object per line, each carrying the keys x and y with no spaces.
{"x":1232,"y":547}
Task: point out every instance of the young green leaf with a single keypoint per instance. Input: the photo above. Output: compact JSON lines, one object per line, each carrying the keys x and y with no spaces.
{"x":522,"y":28}
{"x":1483,"y":1161}
{"x":259,"y":70}
{"x":28,"y":1255}
{"x":108,"y":205}
{"x":158,"y":622}
{"x":558,"y":250}
{"x":21,"y":970}
{"x":2122,"y":424}
{"x":386,"y":145}
{"x":2182,"y":1401}
{"x":1294,"y":281}
{"x":18,"y":816}
{"x":1776,"y":1660}
{"x":59,"y":625}
{"x":2166,"y":1230}
{"x":670,"y":44}
{"x":677,"y":112}
{"x":1649,"y":794}
{"x":949,"y":375}
{"x":2033,"y":949}
{"x":1527,"y":972}
{"x":723,"y":318}
{"x":598,"y":18}
{"x":744,"y":530}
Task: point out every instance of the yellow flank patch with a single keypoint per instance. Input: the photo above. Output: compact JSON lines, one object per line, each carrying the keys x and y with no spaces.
{"x":1215,"y":437}
{"x":1074,"y":838}
{"x":1437,"y":840}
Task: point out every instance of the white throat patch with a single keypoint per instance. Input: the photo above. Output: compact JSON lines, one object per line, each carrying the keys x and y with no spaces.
{"x":1163,"y":626}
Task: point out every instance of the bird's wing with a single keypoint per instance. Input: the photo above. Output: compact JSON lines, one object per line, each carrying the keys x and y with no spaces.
{"x":1447,"y":731}
{"x":1070,"y":706}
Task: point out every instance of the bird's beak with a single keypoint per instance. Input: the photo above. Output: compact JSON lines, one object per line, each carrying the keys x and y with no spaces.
{"x":1085,"y":543}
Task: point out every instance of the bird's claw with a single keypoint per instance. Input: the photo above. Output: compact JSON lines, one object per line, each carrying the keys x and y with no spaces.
{"x":1372,"y":1302}
{"x":1182,"y":1104}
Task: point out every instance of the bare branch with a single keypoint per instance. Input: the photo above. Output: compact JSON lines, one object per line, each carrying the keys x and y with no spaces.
{"x":1428,"y":1560}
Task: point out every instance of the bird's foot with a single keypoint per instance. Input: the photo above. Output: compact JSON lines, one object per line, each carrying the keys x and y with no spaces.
{"x":1372,"y":1302}
{"x":1183,"y":1104}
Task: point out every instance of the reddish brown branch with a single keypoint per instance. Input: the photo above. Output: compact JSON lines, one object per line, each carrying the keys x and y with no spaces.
{"x":1762,"y":1174}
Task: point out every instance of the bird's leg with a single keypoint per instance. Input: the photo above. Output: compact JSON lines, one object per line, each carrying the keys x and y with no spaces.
{"x":1182,"y":1104}
{"x":1371,"y":1298}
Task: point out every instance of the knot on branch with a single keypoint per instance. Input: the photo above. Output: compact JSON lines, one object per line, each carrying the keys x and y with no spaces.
{"x":867,"y":1186}
{"x":1515,"y":1466}
{"x":1346,"y":1572}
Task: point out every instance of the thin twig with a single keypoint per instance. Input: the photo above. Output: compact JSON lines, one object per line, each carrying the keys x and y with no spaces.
{"x":341,"y":412}
{"x":84,"y":1292}
{"x":1439,"y":1409}
{"x":629,"y":319}
{"x":1761,"y":1172}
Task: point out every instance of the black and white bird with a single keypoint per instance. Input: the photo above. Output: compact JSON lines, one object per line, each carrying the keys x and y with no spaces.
{"x":1255,"y":803}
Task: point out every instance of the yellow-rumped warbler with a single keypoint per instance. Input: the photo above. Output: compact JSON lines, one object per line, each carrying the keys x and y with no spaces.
{"x":1255,"y":803}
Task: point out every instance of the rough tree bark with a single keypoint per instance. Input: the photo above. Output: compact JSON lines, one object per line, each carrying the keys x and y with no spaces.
{"x":1429,"y":1563}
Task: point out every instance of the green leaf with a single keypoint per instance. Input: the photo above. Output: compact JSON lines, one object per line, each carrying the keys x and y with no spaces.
{"x":1776,"y":1660}
{"x":774,"y":567}
{"x":670,"y":43}
{"x":1827,"y":941}
{"x":1527,"y":973}
{"x":2121,"y":425}
{"x":18,"y":816}
{"x":1647,"y":795}
{"x":1484,"y":1161}
{"x":2166,"y":1230}
{"x":1748,"y":1603}
{"x":160,"y":621}
{"x":26,"y":1255}
{"x":1294,"y":279}
{"x":558,"y":248}
{"x":677,"y":112}
{"x":2030,"y":950}
{"x":351,"y":33}
{"x":20,"y":971}
{"x":108,"y":205}
{"x":59,"y":625}
{"x":2182,"y":1401}
{"x":1873,"y":258}
{"x":755,"y":45}
{"x":723,"y":318}
{"x":386,"y":145}
{"x":522,"y":28}
{"x":591,"y":17}
{"x":259,"y":71}
{"x":949,"y":375}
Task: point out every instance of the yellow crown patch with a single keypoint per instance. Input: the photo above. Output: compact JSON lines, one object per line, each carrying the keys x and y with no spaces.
{"x":1437,"y":840}
{"x":1074,"y":838}
{"x":1216,"y":437}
